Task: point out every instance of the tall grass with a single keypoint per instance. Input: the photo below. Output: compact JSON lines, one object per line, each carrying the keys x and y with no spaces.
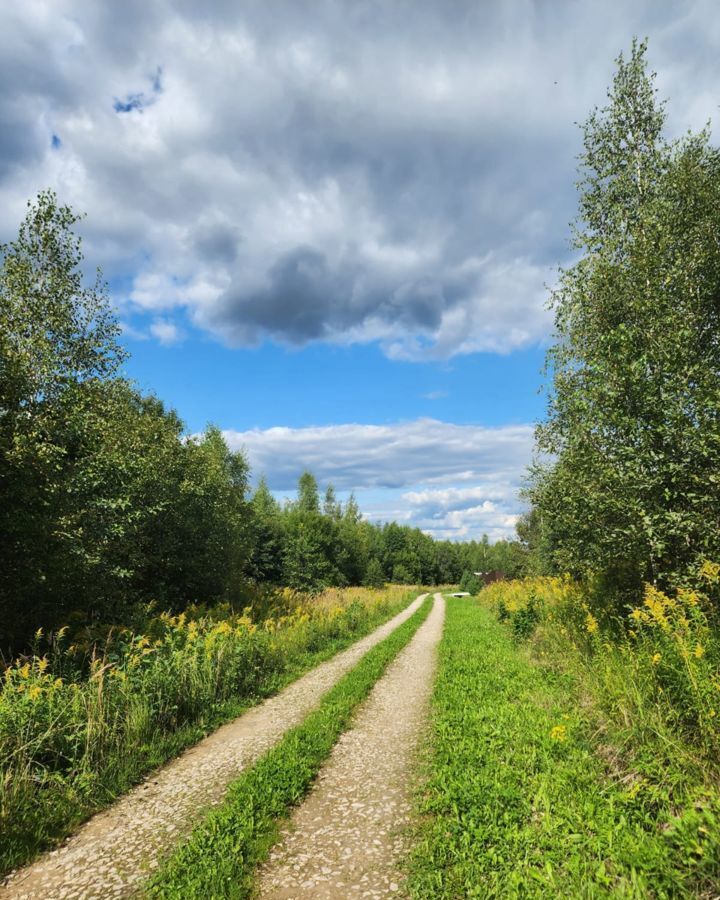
{"x":75,"y":730}
{"x":655,"y":671}
{"x":650,"y":683}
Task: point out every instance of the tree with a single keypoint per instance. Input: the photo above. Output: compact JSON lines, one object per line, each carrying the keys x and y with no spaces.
{"x":331,"y":507}
{"x":58,"y":339}
{"x":265,"y":564}
{"x":374,"y":575}
{"x":308,"y":496}
{"x":632,"y":494}
{"x":470,"y":582}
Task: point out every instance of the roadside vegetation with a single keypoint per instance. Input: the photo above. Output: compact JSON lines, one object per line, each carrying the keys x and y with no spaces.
{"x":79,"y":724}
{"x":554,"y":770}
{"x":221,"y":856}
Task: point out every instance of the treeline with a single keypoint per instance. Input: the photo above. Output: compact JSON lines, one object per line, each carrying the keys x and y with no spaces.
{"x":106,"y":505}
{"x":632,"y":492}
{"x":311,"y":542}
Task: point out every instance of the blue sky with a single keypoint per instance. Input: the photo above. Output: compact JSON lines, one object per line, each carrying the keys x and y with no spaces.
{"x":330,"y":228}
{"x":323,"y":385}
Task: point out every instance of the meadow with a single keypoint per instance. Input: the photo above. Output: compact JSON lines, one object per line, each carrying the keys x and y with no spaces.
{"x":573,"y":754}
{"x":81,"y":721}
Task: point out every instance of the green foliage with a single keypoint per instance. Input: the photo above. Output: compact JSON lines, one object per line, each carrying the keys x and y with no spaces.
{"x":220,"y":857}
{"x":374,"y":575}
{"x":470,"y":583}
{"x":519,"y":802}
{"x":75,"y":732}
{"x":632,"y":492}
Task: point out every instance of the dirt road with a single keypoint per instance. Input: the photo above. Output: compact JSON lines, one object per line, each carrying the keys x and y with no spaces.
{"x":348,"y":837}
{"x":113,"y":852}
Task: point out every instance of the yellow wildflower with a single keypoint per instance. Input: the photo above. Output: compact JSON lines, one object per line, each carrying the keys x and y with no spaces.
{"x":591,"y":623}
{"x":42,"y":664}
{"x":699,"y":651}
{"x":34,"y":692}
{"x":24,"y":671}
{"x":656,"y":657}
{"x":558,"y":733}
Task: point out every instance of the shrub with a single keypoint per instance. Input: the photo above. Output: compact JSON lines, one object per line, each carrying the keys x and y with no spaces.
{"x":470,"y":582}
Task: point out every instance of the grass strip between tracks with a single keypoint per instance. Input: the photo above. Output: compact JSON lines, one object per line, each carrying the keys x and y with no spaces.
{"x":220,"y":857}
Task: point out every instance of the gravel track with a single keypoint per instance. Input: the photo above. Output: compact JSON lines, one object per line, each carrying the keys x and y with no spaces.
{"x":349,"y":836}
{"x":113,"y":852}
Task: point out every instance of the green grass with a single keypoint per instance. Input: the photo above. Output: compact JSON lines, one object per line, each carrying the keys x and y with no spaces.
{"x":73,"y":749}
{"x":518,"y":801}
{"x":220,"y":857}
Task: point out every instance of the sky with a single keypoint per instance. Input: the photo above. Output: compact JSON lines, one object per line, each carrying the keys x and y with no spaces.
{"x":331,"y":228}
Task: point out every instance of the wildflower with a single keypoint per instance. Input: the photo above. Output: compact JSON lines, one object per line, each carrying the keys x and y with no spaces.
{"x":558,"y":733}
{"x":24,"y":671}
{"x":57,"y":683}
{"x":699,"y":651}
{"x":656,"y":657}
{"x":591,"y":623}
{"x":688,"y":597}
{"x":42,"y":664}
{"x":34,"y":692}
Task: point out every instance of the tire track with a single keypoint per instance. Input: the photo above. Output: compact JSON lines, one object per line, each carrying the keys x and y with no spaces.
{"x":349,"y":836}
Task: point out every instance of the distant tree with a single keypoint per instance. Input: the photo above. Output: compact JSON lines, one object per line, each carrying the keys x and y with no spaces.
{"x":402,"y":575}
{"x":470,"y":582}
{"x":265,"y":563}
{"x":331,"y":507}
{"x":308,"y":495}
{"x":374,"y":575}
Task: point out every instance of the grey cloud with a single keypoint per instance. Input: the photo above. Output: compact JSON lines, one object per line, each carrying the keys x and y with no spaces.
{"x":217,"y":243}
{"x":455,"y":481}
{"x":402,"y":455}
{"x":399,"y":173}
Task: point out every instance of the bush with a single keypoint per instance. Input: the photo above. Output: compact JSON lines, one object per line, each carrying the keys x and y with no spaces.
{"x":470,"y":582}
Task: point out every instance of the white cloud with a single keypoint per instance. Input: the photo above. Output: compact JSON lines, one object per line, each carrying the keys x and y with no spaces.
{"x":166,"y":332}
{"x":394,"y":470}
{"x":435,"y":395}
